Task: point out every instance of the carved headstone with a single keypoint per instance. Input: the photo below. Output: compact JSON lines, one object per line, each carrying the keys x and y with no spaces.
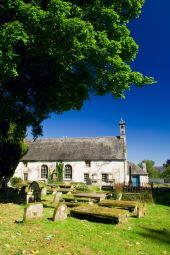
{"x":36,"y":191}
{"x":33,"y":212}
{"x":60,"y":213}
{"x":57,"y":197}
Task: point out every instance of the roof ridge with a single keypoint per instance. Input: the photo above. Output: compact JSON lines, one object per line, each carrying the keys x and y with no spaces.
{"x":55,"y":138}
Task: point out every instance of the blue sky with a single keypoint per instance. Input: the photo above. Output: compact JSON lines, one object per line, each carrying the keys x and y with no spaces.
{"x":146,"y":110}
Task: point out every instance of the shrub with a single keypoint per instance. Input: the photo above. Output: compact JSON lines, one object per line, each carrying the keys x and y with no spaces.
{"x":145,"y":196}
{"x":81,"y":186}
{"x":16,"y":182}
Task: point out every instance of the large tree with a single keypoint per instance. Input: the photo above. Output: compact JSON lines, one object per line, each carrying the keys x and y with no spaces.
{"x":12,"y":148}
{"x":54,"y":53}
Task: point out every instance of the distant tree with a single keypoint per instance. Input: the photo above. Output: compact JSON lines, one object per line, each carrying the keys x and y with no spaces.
{"x":166,"y":172}
{"x":54,"y":53}
{"x":150,"y":166}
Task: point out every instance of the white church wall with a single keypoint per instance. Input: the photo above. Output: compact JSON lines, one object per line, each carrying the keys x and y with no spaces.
{"x":115,"y":170}
{"x":143,"y":179}
{"x":33,"y":169}
{"x":79,"y":168}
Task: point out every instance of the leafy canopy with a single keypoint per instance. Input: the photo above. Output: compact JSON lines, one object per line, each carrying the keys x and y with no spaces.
{"x":54,"y":53}
{"x":150,"y":166}
{"x":166,"y":172}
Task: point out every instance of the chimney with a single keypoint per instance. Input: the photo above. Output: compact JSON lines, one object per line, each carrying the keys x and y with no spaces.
{"x":144,"y":166}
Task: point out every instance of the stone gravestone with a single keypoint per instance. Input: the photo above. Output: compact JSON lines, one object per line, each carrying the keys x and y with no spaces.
{"x":60,"y":213}
{"x":140,"y":212}
{"x":43,"y":191}
{"x":57,"y":197}
{"x":36,"y":192}
{"x":33,"y":212}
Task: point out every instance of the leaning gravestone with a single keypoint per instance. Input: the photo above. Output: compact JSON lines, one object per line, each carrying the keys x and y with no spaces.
{"x":33,"y":212}
{"x":60,"y":213}
{"x":36,"y":192}
{"x":57,"y":197}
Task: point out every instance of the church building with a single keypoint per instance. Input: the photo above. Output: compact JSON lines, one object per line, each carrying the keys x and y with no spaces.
{"x":96,"y":160}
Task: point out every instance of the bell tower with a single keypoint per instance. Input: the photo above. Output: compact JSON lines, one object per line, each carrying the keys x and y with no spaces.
{"x":123,"y":138}
{"x":122,"y":130}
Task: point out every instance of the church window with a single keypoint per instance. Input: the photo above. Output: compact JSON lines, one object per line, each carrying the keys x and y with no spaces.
{"x":25,"y":176}
{"x":25,"y":163}
{"x":44,"y":171}
{"x":88,"y":163}
{"x":105,"y":178}
{"x":86,"y":177}
{"x":68,"y":172}
{"x":94,"y":178}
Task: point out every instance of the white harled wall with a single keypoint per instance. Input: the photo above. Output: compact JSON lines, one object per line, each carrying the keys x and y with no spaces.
{"x":115,"y":169}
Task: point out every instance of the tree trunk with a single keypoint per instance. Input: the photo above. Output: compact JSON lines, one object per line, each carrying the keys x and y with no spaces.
{"x":12,"y":148}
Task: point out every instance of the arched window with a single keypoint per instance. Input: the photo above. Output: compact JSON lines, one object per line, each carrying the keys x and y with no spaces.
{"x":44,"y":171}
{"x":68,"y":172}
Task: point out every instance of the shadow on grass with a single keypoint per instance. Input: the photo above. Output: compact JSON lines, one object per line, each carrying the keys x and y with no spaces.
{"x":91,"y":218}
{"x":48,"y":205}
{"x":10,"y":199}
{"x":161,"y":196}
{"x":157,"y":235}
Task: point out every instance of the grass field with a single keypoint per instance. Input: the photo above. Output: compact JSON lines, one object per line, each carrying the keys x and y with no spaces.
{"x":145,"y":236}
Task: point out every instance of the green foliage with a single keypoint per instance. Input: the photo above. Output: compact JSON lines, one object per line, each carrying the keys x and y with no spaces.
{"x":150,"y":166}
{"x":166,"y":172}
{"x":63,"y":51}
{"x":81,"y":186}
{"x":16,"y":182}
{"x":145,"y":196}
{"x":59,"y":171}
{"x":12,"y":147}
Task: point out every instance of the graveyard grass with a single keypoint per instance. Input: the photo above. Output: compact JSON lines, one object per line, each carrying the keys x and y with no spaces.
{"x":145,"y":236}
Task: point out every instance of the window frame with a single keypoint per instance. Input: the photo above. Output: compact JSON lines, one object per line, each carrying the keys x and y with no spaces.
{"x":68,"y":172}
{"x":88,"y":163}
{"x":105,"y":177}
{"x":25,"y":176}
{"x":44,"y":172}
{"x":86,"y":177}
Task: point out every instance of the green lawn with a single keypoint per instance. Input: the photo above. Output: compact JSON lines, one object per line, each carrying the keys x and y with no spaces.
{"x":145,"y":236}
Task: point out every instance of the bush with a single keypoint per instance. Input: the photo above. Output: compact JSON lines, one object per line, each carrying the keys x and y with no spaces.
{"x":145,"y":196}
{"x":81,"y":186}
{"x":16,"y":182}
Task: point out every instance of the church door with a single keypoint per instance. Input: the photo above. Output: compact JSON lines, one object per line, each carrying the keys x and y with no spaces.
{"x":135,"y":181}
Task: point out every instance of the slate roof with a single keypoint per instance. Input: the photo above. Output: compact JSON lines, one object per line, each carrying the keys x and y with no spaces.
{"x":95,"y":148}
{"x":135,"y":169}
